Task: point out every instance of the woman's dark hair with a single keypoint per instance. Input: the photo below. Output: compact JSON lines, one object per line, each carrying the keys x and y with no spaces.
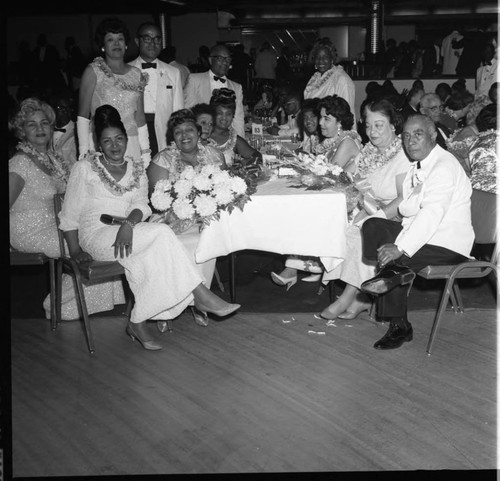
{"x":339,"y":108}
{"x":224,"y":97}
{"x":110,"y":25}
{"x":387,"y":109}
{"x":443,"y":90}
{"x":487,"y":118}
{"x":200,"y":109}
{"x":458,"y":86}
{"x":324,"y":44}
{"x":492,"y":92}
{"x":177,"y":118}
{"x":308,"y":105}
{"x":107,"y":116}
{"x":459,"y":100}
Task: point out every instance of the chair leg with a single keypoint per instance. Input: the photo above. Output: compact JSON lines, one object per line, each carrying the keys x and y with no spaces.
{"x":232,"y":289}
{"x":58,"y":297}
{"x":217,"y":278}
{"x":331,"y":291}
{"x":458,"y":297}
{"x":441,"y":309}
{"x":53,"y":294}
{"x":84,"y":312}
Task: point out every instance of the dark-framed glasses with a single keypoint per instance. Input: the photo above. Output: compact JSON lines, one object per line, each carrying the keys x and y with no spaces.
{"x":221,"y":58}
{"x":148,"y":39}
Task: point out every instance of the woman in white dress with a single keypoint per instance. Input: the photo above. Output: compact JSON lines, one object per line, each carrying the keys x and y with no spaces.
{"x":36,"y":174}
{"x":380,"y":169}
{"x":330,"y":79}
{"x":160,"y":272}
{"x":340,"y":146}
{"x":186,"y":150}
{"x":110,"y":80}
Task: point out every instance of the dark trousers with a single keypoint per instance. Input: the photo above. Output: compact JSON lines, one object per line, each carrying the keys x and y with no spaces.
{"x":377,"y":232}
{"x":153,"y":143}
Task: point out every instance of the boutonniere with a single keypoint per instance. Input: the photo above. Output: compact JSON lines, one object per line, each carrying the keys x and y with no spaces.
{"x":418,"y":176}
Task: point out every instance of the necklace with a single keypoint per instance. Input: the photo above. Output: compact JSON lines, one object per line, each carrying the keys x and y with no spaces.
{"x":318,"y":80}
{"x":331,"y":144}
{"x":116,"y":164}
{"x":52,"y":161}
{"x":108,"y":180}
{"x":370,"y":158}
{"x":229,"y":143}
{"x":100,"y":63}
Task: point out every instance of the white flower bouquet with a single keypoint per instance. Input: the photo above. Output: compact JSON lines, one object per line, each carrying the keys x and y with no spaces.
{"x":198,"y":196}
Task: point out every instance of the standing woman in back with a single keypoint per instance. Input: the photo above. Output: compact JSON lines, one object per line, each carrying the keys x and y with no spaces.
{"x":110,"y":80}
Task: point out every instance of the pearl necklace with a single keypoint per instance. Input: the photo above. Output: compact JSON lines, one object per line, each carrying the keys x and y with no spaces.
{"x":116,"y":164}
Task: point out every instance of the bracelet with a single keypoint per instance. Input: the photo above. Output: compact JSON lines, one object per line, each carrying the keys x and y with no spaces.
{"x":130,"y":223}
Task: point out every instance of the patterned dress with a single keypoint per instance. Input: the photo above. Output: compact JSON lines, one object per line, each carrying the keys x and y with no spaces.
{"x":483,"y":160}
{"x":159,"y":271}
{"x":122,"y":92}
{"x":33,"y":229}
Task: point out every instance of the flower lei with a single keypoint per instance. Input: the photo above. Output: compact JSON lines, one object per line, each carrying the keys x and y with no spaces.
{"x":119,"y":82}
{"x":109,"y":182}
{"x":52,"y":161}
{"x":332,"y":143}
{"x":318,"y":80}
{"x":203,"y":157}
{"x":228,"y":144}
{"x":370,"y":158}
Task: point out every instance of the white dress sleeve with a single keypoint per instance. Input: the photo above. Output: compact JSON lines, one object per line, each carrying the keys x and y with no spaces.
{"x":74,"y":198}
{"x":140,"y":199}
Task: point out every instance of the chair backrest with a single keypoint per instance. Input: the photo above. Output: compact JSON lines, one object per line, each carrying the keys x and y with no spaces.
{"x":58,"y":202}
{"x":484,"y":216}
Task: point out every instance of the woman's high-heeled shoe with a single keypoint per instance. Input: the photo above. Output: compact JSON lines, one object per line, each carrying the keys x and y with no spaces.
{"x":223,"y":312}
{"x":200,"y":318}
{"x":353,"y":314}
{"x":284,"y":281}
{"x":312,"y":278}
{"x":150,"y":345}
{"x":163,"y":326}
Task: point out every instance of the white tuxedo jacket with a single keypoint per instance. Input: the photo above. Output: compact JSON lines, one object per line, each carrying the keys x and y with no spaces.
{"x":198,"y":91}
{"x":436,"y":205}
{"x":169,"y":96}
{"x":66,"y":144}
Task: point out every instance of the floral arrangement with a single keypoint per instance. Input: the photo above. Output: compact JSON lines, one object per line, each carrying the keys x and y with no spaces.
{"x":316,"y":173}
{"x":199,"y":195}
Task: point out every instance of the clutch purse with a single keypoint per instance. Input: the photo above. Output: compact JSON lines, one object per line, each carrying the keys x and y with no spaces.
{"x":111,"y":219}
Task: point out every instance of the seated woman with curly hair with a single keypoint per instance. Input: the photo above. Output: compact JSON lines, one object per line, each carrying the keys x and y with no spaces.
{"x":224,"y":137}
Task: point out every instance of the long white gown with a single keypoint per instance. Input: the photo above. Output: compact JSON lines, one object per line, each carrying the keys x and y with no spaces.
{"x":160,"y":272}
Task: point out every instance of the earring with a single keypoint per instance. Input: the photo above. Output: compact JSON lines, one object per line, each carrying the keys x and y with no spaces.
{"x":338,"y":129}
{"x":102,"y":48}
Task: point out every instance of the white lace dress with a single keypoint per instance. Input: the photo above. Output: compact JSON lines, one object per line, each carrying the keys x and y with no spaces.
{"x":159,"y":270}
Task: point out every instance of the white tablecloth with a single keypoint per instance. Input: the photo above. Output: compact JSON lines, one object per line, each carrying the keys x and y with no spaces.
{"x":284,"y":220}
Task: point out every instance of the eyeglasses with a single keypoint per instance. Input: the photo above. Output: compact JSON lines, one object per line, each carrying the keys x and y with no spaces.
{"x":436,"y":108}
{"x":147,"y":39}
{"x":221,"y":58}
{"x":418,"y":136}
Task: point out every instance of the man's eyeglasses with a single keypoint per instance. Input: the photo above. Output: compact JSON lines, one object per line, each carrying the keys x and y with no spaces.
{"x":436,"y":108}
{"x":221,"y":58}
{"x":147,"y":39}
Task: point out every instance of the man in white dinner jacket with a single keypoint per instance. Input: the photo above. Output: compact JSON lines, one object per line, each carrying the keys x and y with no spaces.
{"x":163,"y":93}
{"x":200,"y":86}
{"x":436,"y":228}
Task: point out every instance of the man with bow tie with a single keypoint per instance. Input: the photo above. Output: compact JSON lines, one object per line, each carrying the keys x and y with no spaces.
{"x":291,"y":106}
{"x":200,"y":86}
{"x":436,"y":227}
{"x":163,"y":93}
{"x":64,"y":135}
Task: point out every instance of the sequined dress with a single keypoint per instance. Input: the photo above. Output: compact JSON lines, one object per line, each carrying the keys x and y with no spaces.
{"x":33,"y":229}
{"x":122,"y":92}
{"x":159,"y":271}
{"x":483,"y":158}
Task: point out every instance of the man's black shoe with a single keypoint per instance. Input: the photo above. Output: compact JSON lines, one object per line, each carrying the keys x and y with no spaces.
{"x":388,"y":278}
{"x":395,"y":337}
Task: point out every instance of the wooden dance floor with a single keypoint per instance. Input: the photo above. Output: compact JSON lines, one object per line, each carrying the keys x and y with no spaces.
{"x":257,"y":393}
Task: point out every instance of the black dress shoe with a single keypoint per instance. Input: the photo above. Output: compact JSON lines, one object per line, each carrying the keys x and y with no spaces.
{"x":395,"y":337}
{"x":388,"y":278}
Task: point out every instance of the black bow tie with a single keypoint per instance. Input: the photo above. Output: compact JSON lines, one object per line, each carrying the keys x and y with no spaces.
{"x":59,"y":130}
{"x":220,"y":79}
{"x":148,"y":65}
{"x":292,"y":116}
